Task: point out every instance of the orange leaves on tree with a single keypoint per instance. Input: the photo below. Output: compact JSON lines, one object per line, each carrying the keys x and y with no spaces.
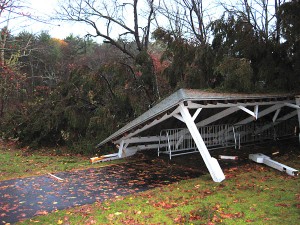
{"x":60,"y":42}
{"x":159,"y":66}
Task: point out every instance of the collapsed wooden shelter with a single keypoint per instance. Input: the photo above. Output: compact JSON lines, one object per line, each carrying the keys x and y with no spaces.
{"x":189,"y":121}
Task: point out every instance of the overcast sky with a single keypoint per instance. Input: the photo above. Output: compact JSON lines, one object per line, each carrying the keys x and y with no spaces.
{"x":44,"y":10}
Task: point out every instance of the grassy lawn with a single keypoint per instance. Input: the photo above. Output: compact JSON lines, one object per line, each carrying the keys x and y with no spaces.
{"x":251,"y":193}
{"x":21,"y":163}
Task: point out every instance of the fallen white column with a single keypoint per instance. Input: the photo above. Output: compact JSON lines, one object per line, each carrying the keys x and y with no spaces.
{"x":261,"y":158}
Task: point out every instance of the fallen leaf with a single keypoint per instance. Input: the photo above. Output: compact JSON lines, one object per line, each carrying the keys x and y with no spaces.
{"x":44,"y":212}
{"x":110,"y":217}
{"x":59,"y":222}
{"x":282,"y":205}
{"x":226,"y":215}
{"x":179,"y":219}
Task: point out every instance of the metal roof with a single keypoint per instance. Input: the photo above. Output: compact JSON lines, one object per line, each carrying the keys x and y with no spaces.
{"x":183,"y":95}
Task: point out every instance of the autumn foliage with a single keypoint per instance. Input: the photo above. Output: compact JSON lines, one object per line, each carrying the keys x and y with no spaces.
{"x":77,"y":91}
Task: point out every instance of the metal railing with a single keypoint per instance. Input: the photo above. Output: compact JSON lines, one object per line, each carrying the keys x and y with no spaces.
{"x":179,"y":141}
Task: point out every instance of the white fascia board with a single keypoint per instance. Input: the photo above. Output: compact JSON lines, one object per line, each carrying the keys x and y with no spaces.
{"x":192,"y":105}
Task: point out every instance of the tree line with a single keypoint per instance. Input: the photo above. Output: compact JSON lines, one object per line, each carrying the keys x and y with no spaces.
{"x":77,"y":91}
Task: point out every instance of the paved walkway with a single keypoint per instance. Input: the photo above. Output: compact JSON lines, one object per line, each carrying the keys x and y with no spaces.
{"x":28,"y":197}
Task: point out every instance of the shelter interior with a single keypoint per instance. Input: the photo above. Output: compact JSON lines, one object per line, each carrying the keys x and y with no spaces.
{"x":191,"y":121}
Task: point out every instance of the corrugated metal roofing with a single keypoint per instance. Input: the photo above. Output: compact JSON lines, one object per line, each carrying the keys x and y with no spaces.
{"x":189,"y":95}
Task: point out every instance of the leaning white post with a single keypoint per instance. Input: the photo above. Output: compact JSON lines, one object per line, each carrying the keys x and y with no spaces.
{"x":211,"y":163}
{"x":298,"y":111}
{"x":120,"y":153}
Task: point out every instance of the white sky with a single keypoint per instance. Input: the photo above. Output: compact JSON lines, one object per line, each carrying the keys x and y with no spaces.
{"x":44,"y":10}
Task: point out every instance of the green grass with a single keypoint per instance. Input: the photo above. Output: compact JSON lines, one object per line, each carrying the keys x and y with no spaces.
{"x":19,"y":163}
{"x":251,"y":193}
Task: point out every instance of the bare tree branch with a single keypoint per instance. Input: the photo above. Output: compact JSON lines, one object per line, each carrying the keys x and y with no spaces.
{"x":110,"y":16}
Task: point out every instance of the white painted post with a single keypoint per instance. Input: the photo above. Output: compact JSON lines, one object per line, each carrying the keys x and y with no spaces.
{"x":120,"y":153}
{"x":211,"y":163}
{"x":298,"y":111}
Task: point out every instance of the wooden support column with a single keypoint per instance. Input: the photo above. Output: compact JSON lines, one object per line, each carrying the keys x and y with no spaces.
{"x":298,"y":111}
{"x":211,"y":163}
